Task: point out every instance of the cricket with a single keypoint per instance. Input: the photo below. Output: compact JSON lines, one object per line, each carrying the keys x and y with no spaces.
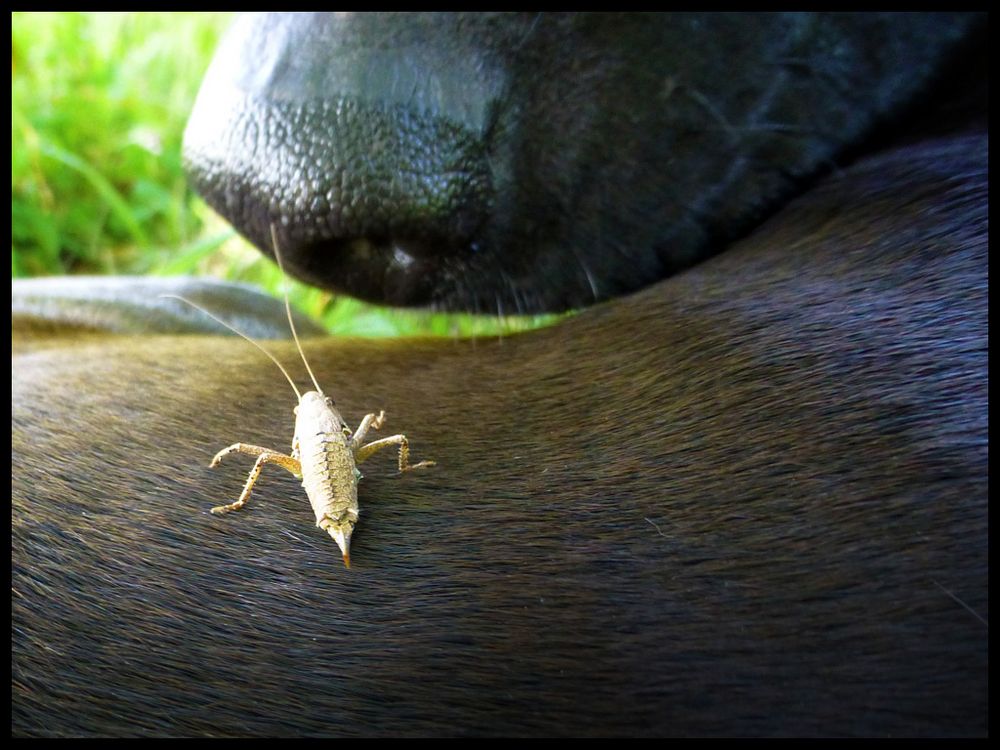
{"x":325,"y":452}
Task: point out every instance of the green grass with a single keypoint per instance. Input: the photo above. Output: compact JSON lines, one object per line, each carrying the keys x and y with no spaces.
{"x":98,"y":107}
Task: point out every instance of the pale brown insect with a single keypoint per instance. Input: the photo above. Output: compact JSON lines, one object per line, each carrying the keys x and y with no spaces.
{"x":325,"y":453}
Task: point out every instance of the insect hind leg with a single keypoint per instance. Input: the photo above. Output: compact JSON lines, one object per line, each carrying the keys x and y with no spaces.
{"x":252,"y":450}
{"x":264,"y":456}
{"x":404,"y":452}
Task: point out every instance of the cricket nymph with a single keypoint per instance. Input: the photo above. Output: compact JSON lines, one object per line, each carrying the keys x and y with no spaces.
{"x":324,"y":456}
{"x":323,"y":447}
{"x":324,"y":452}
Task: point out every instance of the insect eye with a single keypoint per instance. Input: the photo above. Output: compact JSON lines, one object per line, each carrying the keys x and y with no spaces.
{"x":329,"y":401}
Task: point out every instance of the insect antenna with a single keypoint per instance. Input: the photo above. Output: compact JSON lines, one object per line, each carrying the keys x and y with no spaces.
{"x":243,"y":335}
{"x":288,"y":308}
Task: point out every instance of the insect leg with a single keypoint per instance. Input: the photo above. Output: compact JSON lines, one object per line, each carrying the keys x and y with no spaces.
{"x":264,"y":456}
{"x":253,"y":450}
{"x":404,"y":452}
{"x":369,"y":422}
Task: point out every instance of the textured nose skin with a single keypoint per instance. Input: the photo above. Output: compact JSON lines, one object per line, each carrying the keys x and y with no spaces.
{"x":539,"y":162}
{"x":368,"y":163}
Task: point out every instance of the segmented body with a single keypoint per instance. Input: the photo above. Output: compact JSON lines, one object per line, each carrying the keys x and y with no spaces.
{"x":322,"y":445}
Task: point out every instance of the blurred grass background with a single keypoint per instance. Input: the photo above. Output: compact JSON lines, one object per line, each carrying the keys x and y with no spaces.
{"x":98,"y":107}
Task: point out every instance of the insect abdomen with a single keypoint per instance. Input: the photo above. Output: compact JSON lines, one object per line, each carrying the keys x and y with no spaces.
{"x":328,"y":476}
{"x":328,"y":473}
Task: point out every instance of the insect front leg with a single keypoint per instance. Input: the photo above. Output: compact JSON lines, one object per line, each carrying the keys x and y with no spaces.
{"x":404,"y":452}
{"x":264,"y":456}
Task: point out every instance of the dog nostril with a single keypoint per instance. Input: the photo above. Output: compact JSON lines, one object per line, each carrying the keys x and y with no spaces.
{"x":361,"y":249}
{"x":408,"y":249}
{"x":403,"y":252}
